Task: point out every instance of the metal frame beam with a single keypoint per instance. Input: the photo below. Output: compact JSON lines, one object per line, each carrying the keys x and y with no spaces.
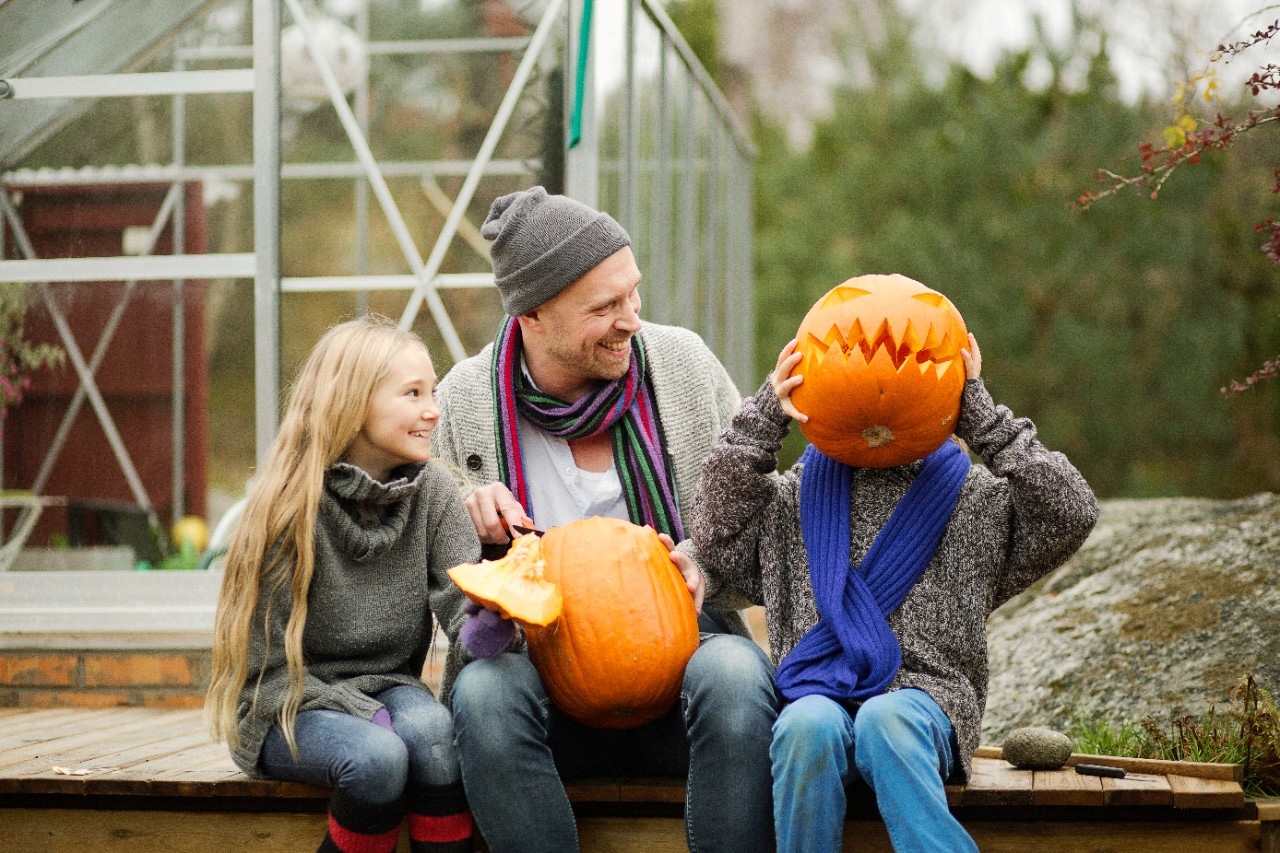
{"x":128,"y":85}
{"x":426,"y":289}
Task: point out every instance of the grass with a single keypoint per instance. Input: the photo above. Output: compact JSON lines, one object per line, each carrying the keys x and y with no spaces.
{"x":1246,"y":732}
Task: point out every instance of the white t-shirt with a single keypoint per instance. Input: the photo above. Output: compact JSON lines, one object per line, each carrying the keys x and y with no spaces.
{"x":559,"y":490}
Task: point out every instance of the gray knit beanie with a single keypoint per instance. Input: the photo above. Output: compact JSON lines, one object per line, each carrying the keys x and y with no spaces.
{"x":544,"y":243}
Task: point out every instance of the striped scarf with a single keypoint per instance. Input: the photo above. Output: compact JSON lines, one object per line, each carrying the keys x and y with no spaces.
{"x":624,"y":406}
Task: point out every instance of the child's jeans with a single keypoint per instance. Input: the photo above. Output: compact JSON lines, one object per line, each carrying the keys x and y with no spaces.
{"x":899,"y":743}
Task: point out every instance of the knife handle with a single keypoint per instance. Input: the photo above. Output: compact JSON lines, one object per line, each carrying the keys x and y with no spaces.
{"x":1100,"y":770}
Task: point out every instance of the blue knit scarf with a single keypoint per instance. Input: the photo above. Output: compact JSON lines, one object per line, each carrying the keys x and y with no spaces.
{"x":852,"y":654}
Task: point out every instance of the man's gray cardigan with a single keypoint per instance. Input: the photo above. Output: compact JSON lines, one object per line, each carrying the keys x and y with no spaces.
{"x":695,"y":399}
{"x":1017,"y":518}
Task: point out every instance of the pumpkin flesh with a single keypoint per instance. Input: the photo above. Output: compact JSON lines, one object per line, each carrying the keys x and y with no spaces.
{"x":514,"y":586}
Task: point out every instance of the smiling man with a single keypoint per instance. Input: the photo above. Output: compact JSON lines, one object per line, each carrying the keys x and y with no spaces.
{"x":578,"y":409}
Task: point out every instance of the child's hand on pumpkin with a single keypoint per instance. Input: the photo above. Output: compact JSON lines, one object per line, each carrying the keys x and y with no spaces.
{"x":485,"y":633}
{"x":688,"y":570}
{"x":972,"y":359}
{"x":784,"y":382}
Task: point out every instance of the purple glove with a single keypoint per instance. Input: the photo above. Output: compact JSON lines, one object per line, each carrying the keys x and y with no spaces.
{"x":382,"y":717}
{"x":485,"y":633}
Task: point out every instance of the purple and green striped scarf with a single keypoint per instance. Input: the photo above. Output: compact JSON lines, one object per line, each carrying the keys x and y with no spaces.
{"x":624,"y":406}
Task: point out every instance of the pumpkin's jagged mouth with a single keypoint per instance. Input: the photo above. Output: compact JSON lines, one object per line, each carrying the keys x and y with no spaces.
{"x":933,"y":347}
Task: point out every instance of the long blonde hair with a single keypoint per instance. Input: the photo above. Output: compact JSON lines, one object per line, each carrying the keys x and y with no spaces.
{"x":275,"y":536}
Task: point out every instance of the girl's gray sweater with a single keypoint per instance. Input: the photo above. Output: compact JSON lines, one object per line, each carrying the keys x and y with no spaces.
{"x":381,"y":551}
{"x":1017,"y":518}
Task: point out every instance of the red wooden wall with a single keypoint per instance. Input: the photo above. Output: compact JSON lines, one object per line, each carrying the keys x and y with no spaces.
{"x":135,"y":377}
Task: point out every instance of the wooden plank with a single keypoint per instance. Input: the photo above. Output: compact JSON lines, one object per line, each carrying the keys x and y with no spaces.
{"x":1198,"y":769}
{"x":213,"y":760}
{"x":1065,"y":788}
{"x":23,"y":723}
{"x":632,"y":835}
{"x":60,"y":722}
{"x":60,"y":749}
{"x":865,"y":836}
{"x":100,"y":772}
{"x":1190,"y":792}
{"x":1268,"y":810}
{"x":593,"y":790}
{"x":1138,"y":789}
{"x":1270,"y":842}
{"x":121,"y":748}
{"x":1079,"y":837}
{"x":997,"y":783}
{"x":75,"y":831}
{"x":79,"y":830}
{"x":1109,"y":836}
{"x":194,"y":754}
{"x":652,"y":790}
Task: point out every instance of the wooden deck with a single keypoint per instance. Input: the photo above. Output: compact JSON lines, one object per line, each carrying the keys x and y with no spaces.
{"x":136,"y":779}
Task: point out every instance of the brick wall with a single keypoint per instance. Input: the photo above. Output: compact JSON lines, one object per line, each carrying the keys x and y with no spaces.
{"x":147,"y":677}
{"x":99,"y":678}
{"x":160,"y":678}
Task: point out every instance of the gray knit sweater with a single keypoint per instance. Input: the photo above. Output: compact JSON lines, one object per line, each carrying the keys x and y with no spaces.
{"x":1017,"y":518}
{"x":381,"y":551}
{"x":695,"y":399}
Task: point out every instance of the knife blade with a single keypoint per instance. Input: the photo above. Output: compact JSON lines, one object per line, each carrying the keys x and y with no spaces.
{"x":514,"y":530}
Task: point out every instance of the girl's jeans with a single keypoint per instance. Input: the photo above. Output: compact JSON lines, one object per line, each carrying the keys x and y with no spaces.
{"x":899,"y":743}
{"x":364,"y":759}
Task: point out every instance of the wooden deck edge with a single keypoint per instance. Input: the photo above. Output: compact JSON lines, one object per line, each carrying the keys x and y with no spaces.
{"x":74,"y":831}
{"x":1196,"y":769}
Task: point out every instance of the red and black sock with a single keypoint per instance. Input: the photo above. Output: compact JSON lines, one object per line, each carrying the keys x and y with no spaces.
{"x":440,"y":820}
{"x":357,"y":826}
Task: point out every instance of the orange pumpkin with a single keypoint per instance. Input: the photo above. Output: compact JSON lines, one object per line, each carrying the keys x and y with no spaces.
{"x":880,"y":356}
{"x":514,"y":585}
{"x":616,"y":656}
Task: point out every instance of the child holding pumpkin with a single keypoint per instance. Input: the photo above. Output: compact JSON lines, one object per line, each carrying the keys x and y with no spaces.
{"x":877,"y":583}
{"x":325,"y":615}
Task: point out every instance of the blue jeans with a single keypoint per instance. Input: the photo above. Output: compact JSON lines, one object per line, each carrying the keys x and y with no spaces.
{"x":899,"y":743}
{"x":515,"y":747}
{"x":364,"y":759}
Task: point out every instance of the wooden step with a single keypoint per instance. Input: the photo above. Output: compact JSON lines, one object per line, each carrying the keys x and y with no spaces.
{"x":143,"y":780}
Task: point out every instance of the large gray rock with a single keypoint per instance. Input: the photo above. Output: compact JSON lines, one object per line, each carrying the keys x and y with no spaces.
{"x":1166,"y":606}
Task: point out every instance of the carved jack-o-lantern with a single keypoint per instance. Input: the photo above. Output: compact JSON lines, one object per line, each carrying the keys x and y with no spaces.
{"x":882,"y":371}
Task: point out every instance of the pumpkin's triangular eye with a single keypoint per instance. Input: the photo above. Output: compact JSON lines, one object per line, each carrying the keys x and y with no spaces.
{"x":840,"y":295}
{"x":935,"y":300}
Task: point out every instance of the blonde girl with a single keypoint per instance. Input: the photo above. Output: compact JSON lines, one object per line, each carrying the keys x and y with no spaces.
{"x":325,"y":615}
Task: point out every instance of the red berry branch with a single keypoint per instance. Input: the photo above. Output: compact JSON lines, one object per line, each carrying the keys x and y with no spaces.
{"x":1188,"y":139}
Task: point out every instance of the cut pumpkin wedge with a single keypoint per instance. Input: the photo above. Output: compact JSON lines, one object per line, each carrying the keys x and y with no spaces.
{"x":514,"y":585}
